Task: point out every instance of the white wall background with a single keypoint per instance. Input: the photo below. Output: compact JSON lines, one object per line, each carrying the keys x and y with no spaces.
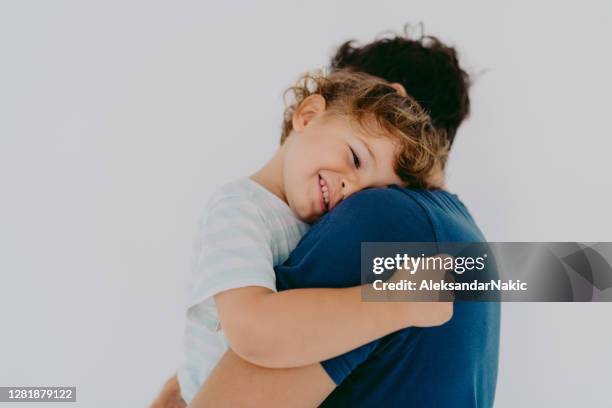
{"x":118,"y":118}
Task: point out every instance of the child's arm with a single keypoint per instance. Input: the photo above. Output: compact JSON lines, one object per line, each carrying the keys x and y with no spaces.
{"x":304,"y":326}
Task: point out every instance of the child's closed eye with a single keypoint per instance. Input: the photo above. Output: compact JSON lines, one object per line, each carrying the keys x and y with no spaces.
{"x":356,"y":160}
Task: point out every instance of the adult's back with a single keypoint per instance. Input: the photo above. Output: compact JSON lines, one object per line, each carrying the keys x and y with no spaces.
{"x":451,"y":365}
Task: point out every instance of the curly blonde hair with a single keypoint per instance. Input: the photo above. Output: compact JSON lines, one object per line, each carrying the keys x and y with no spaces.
{"x":367,"y":101}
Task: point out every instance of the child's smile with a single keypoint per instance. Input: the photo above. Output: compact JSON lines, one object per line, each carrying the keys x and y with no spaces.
{"x":329,"y":159}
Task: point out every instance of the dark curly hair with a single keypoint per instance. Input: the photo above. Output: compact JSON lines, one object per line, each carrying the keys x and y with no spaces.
{"x":427,"y":68}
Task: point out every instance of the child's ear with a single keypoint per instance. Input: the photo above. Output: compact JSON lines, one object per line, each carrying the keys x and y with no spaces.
{"x":311,"y":107}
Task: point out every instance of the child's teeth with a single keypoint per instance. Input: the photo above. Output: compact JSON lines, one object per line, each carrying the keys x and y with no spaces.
{"x":325,"y":191}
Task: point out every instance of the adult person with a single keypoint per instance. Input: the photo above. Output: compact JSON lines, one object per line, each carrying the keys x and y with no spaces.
{"x":447,"y":366}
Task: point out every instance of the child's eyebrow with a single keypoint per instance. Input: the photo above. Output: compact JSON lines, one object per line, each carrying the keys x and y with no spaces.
{"x":367,"y":146}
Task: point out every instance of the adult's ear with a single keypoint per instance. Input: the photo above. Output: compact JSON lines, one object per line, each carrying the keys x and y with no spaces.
{"x":311,"y":107}
{"x":399,"y":88}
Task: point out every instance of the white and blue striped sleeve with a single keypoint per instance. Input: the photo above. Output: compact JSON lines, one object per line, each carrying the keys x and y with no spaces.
{"x":232,"y":250}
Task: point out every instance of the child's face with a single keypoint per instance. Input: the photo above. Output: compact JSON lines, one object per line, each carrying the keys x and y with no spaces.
{"x":328,"y":159}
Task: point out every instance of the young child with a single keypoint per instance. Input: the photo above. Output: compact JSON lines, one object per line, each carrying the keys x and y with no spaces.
{"x":343,"y":133}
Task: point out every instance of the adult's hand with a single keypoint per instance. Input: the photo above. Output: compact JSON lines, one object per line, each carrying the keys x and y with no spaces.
{"x":170,"y":395}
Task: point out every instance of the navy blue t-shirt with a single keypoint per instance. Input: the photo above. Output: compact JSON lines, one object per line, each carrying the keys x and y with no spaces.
{"x":453,"y":365}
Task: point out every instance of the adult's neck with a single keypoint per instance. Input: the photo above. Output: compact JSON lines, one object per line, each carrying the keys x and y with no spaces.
{"x":438,"y":178}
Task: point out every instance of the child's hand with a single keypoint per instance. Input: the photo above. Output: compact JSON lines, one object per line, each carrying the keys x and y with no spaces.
{"x":428,"y":314}
{"x":424,"y":308}
{"x":170,"y":395}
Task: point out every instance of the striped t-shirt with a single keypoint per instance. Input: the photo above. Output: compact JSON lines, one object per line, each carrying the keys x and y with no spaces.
{"x":246,"y":231}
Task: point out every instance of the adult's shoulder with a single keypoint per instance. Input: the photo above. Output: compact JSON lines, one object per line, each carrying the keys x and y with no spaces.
{"x":391,"y":214}
{"x":334,"y":243}
{"x":383,"y":214}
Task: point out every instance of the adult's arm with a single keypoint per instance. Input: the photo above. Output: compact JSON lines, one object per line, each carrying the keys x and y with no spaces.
{"x":235,"y":382}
